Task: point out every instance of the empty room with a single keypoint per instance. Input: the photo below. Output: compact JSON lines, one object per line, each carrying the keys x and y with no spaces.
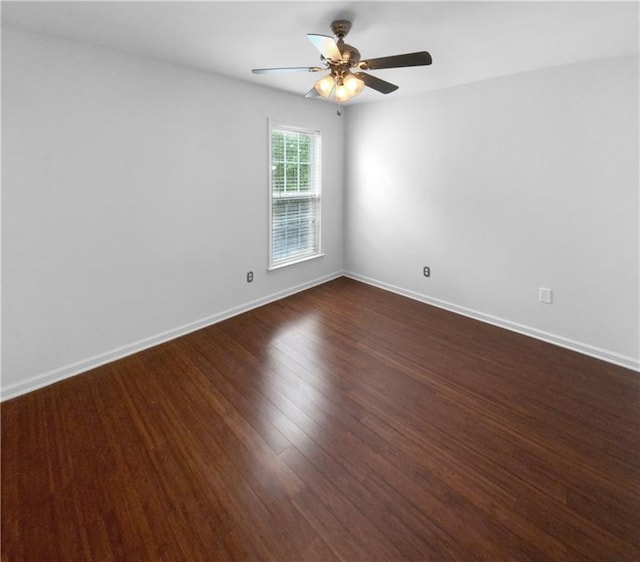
{"x":315,"y":281}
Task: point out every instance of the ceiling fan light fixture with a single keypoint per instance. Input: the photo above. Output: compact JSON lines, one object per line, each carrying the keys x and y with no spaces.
{"x":347,"y":87}
{"x":325,"y":85}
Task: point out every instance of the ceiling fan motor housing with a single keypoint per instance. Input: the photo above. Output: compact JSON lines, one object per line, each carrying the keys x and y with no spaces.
{"x":350,"y":55}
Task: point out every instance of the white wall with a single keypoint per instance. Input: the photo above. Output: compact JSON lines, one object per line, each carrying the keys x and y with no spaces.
{"x":503,"y":187}
{"x":134,"y":201}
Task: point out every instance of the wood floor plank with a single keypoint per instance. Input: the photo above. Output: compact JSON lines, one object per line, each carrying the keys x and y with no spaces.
{"x":341,"y":423}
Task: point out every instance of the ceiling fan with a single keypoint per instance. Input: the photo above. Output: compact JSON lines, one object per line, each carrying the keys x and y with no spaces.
{"x":346,"y":79}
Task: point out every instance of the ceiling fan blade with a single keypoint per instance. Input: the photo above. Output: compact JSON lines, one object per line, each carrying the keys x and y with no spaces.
{"x":312,"y":93}
{"x":326,"y":45}
{"x":378,"y":84}
{"x":410,"y":59}
{"x":288,"y":69}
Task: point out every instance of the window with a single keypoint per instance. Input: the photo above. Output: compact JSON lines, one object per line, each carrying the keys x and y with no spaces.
{"x":295,"y":195}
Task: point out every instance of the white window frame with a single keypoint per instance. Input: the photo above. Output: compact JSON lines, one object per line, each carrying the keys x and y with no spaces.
{"x":316,"y":194}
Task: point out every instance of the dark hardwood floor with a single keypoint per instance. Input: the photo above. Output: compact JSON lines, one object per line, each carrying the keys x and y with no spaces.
{"x":342,"y":423}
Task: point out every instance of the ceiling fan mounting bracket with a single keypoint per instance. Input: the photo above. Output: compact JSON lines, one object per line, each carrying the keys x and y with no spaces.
{"x":340,"y":28}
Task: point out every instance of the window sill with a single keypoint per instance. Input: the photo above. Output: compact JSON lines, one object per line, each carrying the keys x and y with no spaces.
{"x":287,"y":264}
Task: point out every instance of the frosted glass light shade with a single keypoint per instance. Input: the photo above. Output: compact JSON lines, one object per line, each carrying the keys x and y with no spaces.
{"x":353,"y":84}
{"x":342,"y":93}
{"x":324,"y":86}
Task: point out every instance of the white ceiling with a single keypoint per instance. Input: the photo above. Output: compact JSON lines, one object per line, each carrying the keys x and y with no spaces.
{"x":469,"y":41}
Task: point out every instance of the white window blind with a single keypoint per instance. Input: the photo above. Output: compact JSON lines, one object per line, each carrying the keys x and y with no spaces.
{"x":295,"y":195}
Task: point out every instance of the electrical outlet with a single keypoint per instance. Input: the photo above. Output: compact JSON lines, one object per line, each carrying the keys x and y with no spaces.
{"x":546,"y":296}
{"x":426,"y":271}
{"x":249,"y":276}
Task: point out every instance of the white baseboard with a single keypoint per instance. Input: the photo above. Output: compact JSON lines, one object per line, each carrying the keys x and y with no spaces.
{"x":586,"y":349}
{"x":45,"y":379}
